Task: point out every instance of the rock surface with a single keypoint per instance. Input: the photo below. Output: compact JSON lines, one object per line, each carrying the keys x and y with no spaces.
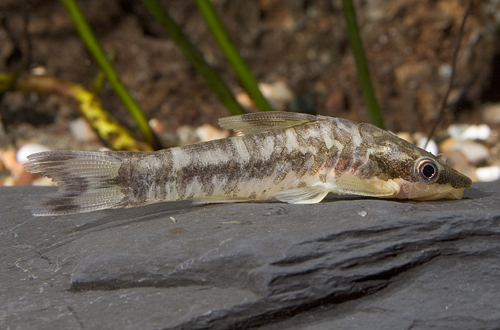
{"x":346,"y":263}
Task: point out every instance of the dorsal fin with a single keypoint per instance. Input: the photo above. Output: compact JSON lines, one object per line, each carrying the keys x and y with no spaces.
{"x":260,"y":122}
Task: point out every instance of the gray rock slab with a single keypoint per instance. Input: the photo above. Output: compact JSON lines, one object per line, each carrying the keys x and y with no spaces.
{"x":346,"y":263}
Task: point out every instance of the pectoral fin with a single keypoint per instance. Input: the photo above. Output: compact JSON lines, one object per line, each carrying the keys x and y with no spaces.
{"x":348,"y":183}
{"x":306,"y":195}
{"x":261,"y":122}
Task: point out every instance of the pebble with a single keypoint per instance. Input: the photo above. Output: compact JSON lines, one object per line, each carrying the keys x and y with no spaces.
{"x":28,"y":149}
{"x":157,"y":126}
{"x":81,"y":130}
{"x":474,"y":152}
{"x":472,"y":132}
{"x":445,"y":71}
{"x":488,"y":173}
{"x":456,"y":130}
{"x":431,"y":146}
{"x":207,"y":133}
{"x":12,"y":161}
{"x":244,"y":100}
{"x":278,"y":94}
{"x":477,"y":132}
{"x":278,"y":91}
{"x":405,"y":136}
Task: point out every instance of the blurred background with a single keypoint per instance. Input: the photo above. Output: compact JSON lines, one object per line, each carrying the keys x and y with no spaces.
{"x":298,"y":51}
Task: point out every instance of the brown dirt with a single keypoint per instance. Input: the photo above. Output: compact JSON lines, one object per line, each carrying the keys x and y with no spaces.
{"x":409,"y":45}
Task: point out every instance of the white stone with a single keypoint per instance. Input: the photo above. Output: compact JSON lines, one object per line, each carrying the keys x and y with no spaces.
{"x":82,"y":131}
{"x":445,"y":71}
{"x":28,"y":149}
{"x":477,"y":132}
{"x":207,"y":133}
{"x":472,"y":132}
{"x":456,"y":131}
{"x":431,"y":146}
{"x":488,"y":174}
{"x":278,"y":91}
{"x":474,"y":152}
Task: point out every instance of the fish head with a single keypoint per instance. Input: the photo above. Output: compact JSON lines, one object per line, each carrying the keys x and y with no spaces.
{"x":432,"y":179}
{"x":413,"y":173}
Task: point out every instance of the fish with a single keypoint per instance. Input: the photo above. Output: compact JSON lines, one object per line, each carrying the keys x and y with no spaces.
{"x":290,"y":157}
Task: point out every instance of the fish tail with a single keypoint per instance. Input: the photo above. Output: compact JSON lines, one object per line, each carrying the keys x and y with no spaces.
{"x":87,"y":181}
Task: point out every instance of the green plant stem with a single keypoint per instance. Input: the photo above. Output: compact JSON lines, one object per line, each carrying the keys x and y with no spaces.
{"x":361,"y":64}
{"x":100,"y":78}
{"x":194,"y":56}
{"x":239,"y":66}
{"x":97,"y":53}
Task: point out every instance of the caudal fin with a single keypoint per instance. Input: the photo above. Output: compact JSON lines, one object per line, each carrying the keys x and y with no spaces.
{"x":87,"y":181}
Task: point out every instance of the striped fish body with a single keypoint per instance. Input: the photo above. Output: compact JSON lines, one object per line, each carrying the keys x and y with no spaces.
{"x":295,"y":158}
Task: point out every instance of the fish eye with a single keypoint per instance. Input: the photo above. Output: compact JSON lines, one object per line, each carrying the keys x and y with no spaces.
{"x":426,"y":170}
